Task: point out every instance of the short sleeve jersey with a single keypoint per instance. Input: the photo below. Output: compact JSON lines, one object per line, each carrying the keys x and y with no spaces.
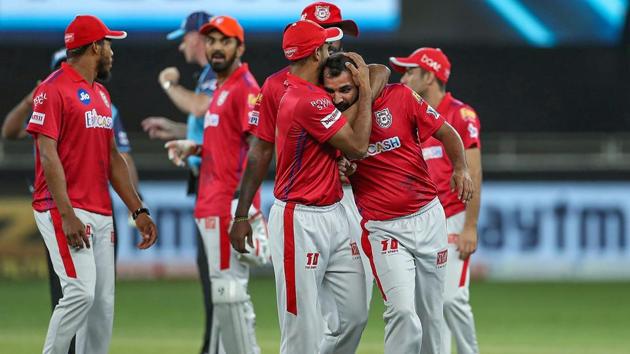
{"x":263,"y":120}
{"x":78,"y":115}
{"x":224,"y":149}
{"x":393,"y":180}
{"x":206,"y":84}
{"x":464,"y":119}
{"x":306,"y":170}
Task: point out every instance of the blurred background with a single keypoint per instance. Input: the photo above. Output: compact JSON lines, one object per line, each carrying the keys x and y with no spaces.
{"x":550,"y":80}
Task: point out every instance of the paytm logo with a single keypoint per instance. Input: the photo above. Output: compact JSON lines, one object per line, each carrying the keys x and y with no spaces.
{"x":384,"y":146}
{"x":94,"y":120}
{"x":84,"y":96}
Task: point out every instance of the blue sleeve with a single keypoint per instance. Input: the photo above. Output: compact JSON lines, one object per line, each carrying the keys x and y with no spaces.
{"x":207,"y":82}
{"x":120,"y":135}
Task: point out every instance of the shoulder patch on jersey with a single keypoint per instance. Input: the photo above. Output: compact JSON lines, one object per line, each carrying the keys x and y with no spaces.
{"x":39,"y":99}
{"x":259,"y":99}
{"x":330,"y":119}
{"x":321,"y":103}
{"x":253,"y":117}
{"x":417,"y":96}
{"x":37,"y":118}
{"x":222,"y":97}
{"x":473,"y":132}
{"x":104,"y":98}
{"x":468,"y":114}
{"x":251,"y":100}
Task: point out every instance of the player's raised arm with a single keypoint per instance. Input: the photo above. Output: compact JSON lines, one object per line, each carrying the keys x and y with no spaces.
{"x":13,"y":124}
{"x":353,"y":138}
{"x":460,"y":181}
{"x":122,"y":184}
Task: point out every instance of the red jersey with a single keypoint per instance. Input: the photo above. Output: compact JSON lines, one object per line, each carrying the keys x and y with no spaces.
{"x":464,"y":119}
{"x":393,"y":180}
{"x":306,"y":168}
{"x":224,"y":150}
{"x":78,"y":116}
{"x":263,"y":121}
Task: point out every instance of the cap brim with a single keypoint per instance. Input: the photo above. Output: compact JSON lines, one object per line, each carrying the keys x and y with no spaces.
{"x":401,"y":64}
{"x":116,"y":35}
{"x":178,"y":33}
{"x":347,"y":26}
{"x":333,"y":34}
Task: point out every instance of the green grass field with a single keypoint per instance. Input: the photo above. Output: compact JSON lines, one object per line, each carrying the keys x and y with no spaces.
{"x":512,"y":318}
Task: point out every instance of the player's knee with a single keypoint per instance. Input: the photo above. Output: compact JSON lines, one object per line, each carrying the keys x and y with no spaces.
{"x":404,"y":314}
{"x":228,"y":291}
{"x":79,"y":297}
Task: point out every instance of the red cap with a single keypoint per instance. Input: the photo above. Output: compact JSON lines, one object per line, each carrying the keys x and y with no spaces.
{"x":303,"y":37}
{"x":226,"y":25}
{"x":85,"y":29}
{"x":329,"y":15}
{"x":430,"y":59}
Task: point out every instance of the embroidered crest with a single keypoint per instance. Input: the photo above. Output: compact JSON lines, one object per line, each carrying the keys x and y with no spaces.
{"x":383,"y":118}
{"x":322,"y":13}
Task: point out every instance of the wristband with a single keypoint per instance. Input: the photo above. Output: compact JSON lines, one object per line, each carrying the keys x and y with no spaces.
{"x":139,"y":211}
{"x":167,"y":85}
{"x":240,"y":219}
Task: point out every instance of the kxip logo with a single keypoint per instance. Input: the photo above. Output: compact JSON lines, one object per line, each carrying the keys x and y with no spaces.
{"x":84,"y":96}
{"x":383,"y":118}
{"x":322,"y":12}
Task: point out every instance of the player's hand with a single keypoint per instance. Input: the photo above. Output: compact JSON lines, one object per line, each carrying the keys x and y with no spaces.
{"x":169,"y":74}
{"x":462,"y":184}
{"x":160,"y":128}
{"x":346,"y":167}
{"x":74,"y":229}
{"x":179,"y":150}
{"x":467,"y":242}
{"x":241,"y":231}
{"x":360,"y":73}
{"x":148,"y":231}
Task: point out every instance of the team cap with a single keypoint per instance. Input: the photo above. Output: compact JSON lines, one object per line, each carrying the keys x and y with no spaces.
{"x":329,"y":15}
{"x":85,"y":29}
{"x":303,"y":37}
{"x":227,"y":25}
{"x":430,"y":59}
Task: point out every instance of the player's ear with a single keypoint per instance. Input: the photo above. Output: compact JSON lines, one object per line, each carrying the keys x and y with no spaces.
{"x":240,"y":50}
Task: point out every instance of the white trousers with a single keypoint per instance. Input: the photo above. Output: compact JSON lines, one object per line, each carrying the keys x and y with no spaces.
{"x":408,"y":257}
{"x":87,"y":282}
{"x":314,"y":261}
{"x":459,"y":321}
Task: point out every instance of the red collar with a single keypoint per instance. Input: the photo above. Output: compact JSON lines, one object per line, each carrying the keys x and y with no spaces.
{"x":72,"y":73}
{"x":240,"y":71}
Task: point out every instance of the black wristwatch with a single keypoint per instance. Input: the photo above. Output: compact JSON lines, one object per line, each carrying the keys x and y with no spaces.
{"x":139,"y":211}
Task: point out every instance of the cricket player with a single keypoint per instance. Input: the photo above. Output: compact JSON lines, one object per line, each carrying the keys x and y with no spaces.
{"x":311,"y":248}
{"x":71,"y":200}
{"x":260,"y":155}
{"x":14,"y":127}
{"x":426,"y":71}
{"x":404,"y":228}
{"x":195,"y":103}
{"x":223,"y":152}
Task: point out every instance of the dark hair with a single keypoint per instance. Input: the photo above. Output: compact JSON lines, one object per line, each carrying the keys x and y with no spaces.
{"x":336,"y":64}
{"x":77,"y":52}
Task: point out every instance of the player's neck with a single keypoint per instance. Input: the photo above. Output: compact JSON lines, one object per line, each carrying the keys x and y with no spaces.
{"x":305,"y":72}
{"x":223,"y":75}
{"x":86,"y":69}
{"x":434,"y":97}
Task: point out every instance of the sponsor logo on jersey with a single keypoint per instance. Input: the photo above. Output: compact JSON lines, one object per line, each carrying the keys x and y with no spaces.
{"x":389,"y":246}
{"x":222,"y":97}
{"x":104,"y":98}
{"x":253,"y":118}
{"x":251,"y":100}
{"x":442,"y":257}
{"x":321,"y":103}
{"x":95,"y":120}
{"x":37,"y":118}
{"x":84,"y":96}
{"x":432,"y":152}
{"x":473,"y":132}
{"x":384,"y":146}
{"x":432,"y":112}
{"x":431,"y":63}
{"x":210,"y":120}
{"x":39,"y":99}
{"x":354,"y":249}
{"x":383,"y":118}
{"x":330,"y":119}
{"x":312,"y":260}
{"x":259,"y":98}
{"x":468,"y":114}
{"x":322,"y":13}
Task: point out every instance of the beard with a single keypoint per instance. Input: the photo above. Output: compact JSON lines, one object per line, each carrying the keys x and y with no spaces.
{"x":103,"y":73}
{"x":219,"y":67}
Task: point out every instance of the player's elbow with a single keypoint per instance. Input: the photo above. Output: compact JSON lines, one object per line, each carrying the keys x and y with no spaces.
{"x":356,"y":151}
